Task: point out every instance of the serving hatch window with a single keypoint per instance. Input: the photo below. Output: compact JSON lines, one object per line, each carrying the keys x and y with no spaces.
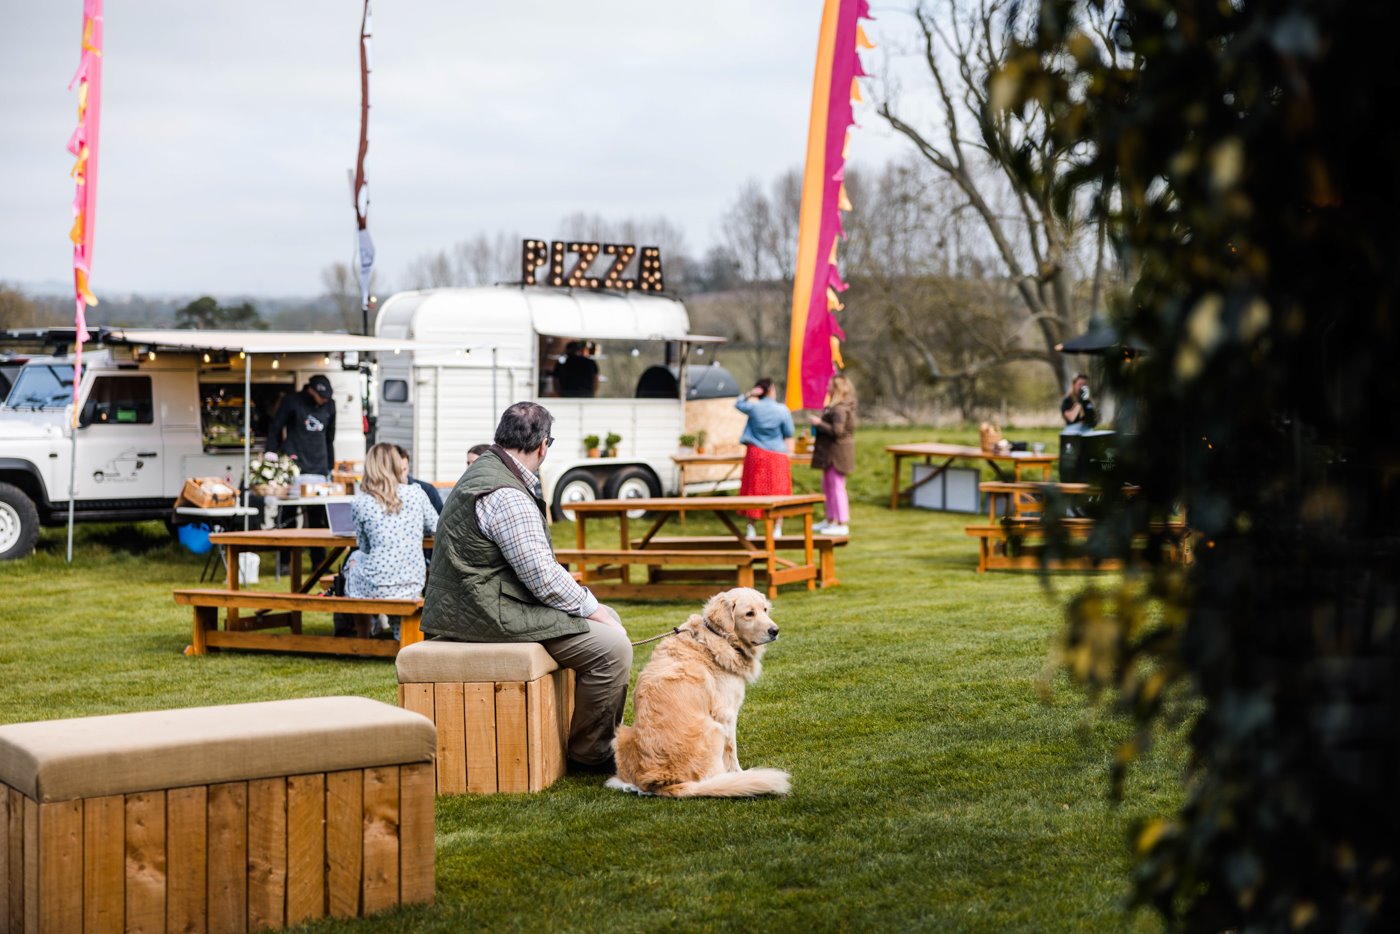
{"x":614,"y":369}
{"x":221,"y":411}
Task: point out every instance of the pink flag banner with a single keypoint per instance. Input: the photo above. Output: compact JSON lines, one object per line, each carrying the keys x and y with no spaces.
{"x":814,"y":352}
{"x":83,"y":145}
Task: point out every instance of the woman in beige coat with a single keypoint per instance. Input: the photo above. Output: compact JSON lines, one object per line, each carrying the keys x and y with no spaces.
{"x":835,"y":452}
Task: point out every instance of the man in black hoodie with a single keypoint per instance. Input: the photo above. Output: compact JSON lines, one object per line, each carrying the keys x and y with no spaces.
{"x":304,"y":427}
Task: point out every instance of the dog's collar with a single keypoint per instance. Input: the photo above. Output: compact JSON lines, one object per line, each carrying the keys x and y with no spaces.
{"x":716,"y":631}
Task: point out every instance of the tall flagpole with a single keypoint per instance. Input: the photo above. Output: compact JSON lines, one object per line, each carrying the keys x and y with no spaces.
{"x":359,"y":188}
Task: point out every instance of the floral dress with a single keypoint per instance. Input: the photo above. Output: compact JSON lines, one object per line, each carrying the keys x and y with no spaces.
{"x":388,"y":561}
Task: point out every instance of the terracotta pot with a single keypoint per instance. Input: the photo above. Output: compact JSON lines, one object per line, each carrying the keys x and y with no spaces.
{"x":610,"y":452}
{"x":592,"y":452}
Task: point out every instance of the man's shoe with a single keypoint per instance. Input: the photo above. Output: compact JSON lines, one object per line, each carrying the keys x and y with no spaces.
{"x":607,"y":767}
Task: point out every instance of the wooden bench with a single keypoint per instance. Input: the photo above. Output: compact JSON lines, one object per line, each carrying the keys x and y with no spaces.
{"x":1016,"y":543}
{"x":502,"y":712}
{"x":825,"y":546}
{"x":666,"y":579}
{"x":237,"y":818}
{"x":284,"y":610}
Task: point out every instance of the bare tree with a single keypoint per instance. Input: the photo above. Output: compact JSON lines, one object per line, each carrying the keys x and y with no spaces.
{"x":985,"y":149}
{"x":342,"y":288}
{"x":760,"y":235}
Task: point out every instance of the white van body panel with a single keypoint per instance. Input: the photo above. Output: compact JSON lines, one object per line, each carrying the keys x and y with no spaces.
{"x":452,"y":403}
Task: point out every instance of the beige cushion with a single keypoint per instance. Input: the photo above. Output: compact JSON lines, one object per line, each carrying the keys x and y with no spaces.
{"x":438,"y":661}
{"x":58,"y":760}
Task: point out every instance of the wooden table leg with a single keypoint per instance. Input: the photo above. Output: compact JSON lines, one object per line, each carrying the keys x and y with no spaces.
{"x":231,"y":553}
{"x":296,"y":588}
{"x":807,"y":542}
{"x":772,"y":553}
{"x":894,"y":489}
{"x":581,"y":543}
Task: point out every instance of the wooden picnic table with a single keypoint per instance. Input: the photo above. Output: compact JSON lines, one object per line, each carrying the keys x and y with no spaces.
{"x":773,"y":508}
{"x":1020,"y":461}
{"x":293,"y":540}
{"x":689,"y":463}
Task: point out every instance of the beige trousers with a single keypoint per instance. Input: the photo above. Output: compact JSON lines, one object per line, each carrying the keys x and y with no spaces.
{"x":602,"y":661}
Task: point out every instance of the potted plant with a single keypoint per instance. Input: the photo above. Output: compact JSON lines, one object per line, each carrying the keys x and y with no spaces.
{"x":700,"y":438}
{"x":687,"y":444}
{"x":270,"y":475}
{"x":610,"y":443}
{"x":590,"y":444}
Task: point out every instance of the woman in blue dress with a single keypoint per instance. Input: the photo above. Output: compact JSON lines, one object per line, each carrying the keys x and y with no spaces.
{"x":391,"y":518}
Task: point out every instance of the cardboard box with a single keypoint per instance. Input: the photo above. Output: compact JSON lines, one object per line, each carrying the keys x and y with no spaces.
{"x":207,"y":493}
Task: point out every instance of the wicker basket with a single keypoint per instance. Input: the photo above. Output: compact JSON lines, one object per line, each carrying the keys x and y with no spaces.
{"x":990,"y":435}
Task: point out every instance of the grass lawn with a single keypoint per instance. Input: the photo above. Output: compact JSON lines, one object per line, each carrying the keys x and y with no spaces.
{"x":933,"y":787}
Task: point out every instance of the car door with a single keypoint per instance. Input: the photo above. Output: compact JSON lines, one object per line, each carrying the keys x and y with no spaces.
{"x":119,"y":440}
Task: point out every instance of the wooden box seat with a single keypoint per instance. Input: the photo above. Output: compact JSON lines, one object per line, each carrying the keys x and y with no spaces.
{"x":502,"y":712}
{"x":239,"y":817}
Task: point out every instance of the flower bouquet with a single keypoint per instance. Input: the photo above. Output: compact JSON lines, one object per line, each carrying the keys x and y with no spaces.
{"x":270,"y":475}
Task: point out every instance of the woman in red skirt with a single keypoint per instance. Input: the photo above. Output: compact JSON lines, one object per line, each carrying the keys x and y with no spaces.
{"x":767,"y":441}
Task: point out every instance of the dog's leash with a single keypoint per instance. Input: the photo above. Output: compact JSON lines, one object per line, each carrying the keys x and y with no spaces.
{"x":677,"y":631}
{"x":658,"y":638}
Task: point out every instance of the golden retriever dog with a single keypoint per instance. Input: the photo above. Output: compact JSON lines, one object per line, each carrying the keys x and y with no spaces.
{"x":682,"y":742}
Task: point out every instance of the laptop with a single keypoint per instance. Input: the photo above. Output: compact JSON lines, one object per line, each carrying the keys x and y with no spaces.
{"x":340,"y":518}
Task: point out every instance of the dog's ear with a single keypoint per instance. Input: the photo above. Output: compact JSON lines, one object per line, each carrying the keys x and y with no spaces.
{"x":719,"y":612}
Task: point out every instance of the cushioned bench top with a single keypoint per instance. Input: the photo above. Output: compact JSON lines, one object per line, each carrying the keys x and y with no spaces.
{"x":436,"y":661}
{"x":58,"y":760}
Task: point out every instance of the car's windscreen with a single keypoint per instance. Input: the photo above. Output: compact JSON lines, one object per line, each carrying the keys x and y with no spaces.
{"x":42,"y":386}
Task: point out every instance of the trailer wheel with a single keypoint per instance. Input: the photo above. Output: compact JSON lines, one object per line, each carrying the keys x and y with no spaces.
{"x":633,"y":483}
{"x":19,"y":523}
{"x":576,"y":486}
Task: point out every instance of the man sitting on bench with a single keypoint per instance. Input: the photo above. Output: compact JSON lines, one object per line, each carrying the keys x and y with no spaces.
{"x":494,"y":578}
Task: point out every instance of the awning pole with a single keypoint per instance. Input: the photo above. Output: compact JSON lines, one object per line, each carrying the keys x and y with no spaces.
{"x":495,"y":409}
{"x":72,"y":481}
{"x":247,"y":429}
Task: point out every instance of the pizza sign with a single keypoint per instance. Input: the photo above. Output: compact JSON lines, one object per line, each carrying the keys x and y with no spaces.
{"x":578,"y":265}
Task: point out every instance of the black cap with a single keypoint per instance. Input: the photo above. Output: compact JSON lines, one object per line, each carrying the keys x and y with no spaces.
{"x":321,"y":384}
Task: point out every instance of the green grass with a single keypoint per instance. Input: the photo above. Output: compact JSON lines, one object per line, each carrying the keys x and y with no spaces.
{"x":933,"y":788}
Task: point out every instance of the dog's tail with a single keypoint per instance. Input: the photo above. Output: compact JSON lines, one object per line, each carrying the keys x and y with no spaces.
{"x":749,"y":783}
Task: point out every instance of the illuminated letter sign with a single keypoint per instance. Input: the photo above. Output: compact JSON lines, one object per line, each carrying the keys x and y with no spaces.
{"x":585,"y":272}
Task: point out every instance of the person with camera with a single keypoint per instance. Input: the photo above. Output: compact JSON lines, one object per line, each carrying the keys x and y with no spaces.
{"x":1077,"y":407}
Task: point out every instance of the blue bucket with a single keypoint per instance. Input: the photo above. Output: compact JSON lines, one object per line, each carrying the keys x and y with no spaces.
{"x":195,"y":538}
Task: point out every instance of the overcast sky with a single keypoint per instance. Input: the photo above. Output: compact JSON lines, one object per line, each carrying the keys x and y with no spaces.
{"x":227,"y":128}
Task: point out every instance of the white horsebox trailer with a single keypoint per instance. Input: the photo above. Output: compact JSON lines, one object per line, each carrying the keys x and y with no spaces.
{"x":440,"y":403}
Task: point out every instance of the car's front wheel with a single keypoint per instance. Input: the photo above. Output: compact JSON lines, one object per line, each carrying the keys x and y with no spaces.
{"x":19,"y":523}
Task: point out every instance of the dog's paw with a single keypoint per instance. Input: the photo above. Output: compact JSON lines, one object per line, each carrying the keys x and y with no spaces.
{"x":618,"y":784}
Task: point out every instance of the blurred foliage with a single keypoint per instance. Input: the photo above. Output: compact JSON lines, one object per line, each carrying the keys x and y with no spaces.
{"x":205,"y":313}
{"x":1251,"y":149}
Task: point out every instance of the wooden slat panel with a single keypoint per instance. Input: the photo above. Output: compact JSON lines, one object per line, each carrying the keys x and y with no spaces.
{"x":228,"y":858}
{"x":344,"y":842}
{"x":381,"y":838}
{"x":104,"y":864}
{"x":451,"y":741}
{"x":145,"y":862}
{"x":12,"y":922}
{"x":267,"y":853}
{"x":534,"y":734}
{"x":417,"y":848}
{"x":306,"y":848}
{"x":479,"y":699}
{"x":316,"y":645}
{"x":30,"y":829}
{"x":417,"y":698}
{"x":61,"y":866}
{"x":555,"y":726}
{"x":512,"y":772}
{"x":186,"y":834}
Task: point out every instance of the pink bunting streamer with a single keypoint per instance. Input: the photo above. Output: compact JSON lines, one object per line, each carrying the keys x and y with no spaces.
{"x":83,"y":145}
{"x":818,"y":357}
